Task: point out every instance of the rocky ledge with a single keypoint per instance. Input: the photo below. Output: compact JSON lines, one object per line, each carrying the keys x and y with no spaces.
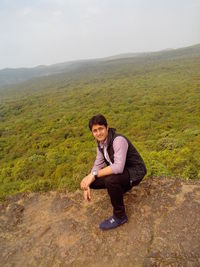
{"x":61,"y":229}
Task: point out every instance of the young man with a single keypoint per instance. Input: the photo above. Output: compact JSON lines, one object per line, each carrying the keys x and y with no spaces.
{"x":124,"y":169}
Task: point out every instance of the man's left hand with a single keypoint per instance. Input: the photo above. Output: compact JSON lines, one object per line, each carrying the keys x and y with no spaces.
{"x":87,"y":195}
{"x":87,"y":180}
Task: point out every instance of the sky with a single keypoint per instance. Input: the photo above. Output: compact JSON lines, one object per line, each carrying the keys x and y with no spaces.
{"x":44,"y":32}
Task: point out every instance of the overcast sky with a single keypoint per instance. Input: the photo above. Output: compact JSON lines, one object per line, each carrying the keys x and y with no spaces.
{"x":34,"y":32}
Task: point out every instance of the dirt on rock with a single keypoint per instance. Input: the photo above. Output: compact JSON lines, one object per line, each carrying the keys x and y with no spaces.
{"x":61,"y":229}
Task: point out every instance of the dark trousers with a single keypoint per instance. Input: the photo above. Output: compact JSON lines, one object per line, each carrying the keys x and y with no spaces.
{"x":117,"y":185}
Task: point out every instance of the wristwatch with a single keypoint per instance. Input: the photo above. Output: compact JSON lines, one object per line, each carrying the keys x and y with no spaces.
{"x":95,"y":173}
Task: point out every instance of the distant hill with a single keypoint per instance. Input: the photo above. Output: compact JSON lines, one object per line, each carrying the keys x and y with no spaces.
{"x":10,"y":76}
{"x":14,"y":76}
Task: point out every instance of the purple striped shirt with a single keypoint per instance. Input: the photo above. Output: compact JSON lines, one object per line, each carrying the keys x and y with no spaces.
{"x":120,"y":147}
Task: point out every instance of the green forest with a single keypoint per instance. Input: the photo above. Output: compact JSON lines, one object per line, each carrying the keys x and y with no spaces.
{"x":154,"y":100}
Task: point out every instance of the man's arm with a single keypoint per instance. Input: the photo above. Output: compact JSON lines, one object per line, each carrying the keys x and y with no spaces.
{"x":120,"y":147}
{"x":98,"y":165}
{"x":105,"y":171}
{"x":99,"y":162}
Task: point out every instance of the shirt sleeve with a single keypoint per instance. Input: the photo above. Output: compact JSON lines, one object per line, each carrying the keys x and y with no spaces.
{"x":99,"y":162}
{"x":120,"y":147}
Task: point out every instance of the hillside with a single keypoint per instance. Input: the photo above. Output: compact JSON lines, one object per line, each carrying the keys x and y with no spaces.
{"x":13,"y":76}
{"x":60,"y":229}
{"x":153,"y":99}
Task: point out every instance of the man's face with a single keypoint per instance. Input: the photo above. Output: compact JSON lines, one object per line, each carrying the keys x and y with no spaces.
{"x":100,"y":132}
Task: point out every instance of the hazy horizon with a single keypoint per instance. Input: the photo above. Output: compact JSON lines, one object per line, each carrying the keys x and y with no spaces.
{"x":82,"y":59}
{"x":46,"y":32}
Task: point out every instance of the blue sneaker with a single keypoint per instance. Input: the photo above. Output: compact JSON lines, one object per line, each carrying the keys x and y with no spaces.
{"x":113,"y":222}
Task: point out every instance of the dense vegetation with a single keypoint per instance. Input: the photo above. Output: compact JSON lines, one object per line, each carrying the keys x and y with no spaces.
{"x":45,"y":142}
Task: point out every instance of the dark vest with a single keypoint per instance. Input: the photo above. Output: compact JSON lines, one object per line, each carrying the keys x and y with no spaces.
{"x":134,"y":162}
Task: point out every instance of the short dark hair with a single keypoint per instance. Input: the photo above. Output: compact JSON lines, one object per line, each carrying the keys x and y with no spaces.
{"x":97,"y":119}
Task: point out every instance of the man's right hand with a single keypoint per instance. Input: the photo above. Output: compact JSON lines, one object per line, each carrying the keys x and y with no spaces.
{"x":86,"y":194}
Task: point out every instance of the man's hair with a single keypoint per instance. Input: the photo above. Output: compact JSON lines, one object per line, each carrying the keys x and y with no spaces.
{"x":97,"y":119}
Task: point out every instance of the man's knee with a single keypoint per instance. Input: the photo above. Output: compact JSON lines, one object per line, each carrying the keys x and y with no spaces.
{"x":97,"y":184}
{"x":110,"y":180}
{"x":92,"y":185}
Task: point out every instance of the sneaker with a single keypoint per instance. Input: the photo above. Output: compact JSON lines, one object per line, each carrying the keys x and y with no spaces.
{"x":113,"y":222}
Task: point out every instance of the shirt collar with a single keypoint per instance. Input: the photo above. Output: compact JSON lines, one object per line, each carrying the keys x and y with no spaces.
{"x":104,"y":143}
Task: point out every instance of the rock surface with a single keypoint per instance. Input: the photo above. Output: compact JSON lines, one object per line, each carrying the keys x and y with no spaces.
{"x":61,"y":229}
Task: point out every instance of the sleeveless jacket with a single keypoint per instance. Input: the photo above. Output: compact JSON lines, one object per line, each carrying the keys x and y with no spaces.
{"x":134,"y":162}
